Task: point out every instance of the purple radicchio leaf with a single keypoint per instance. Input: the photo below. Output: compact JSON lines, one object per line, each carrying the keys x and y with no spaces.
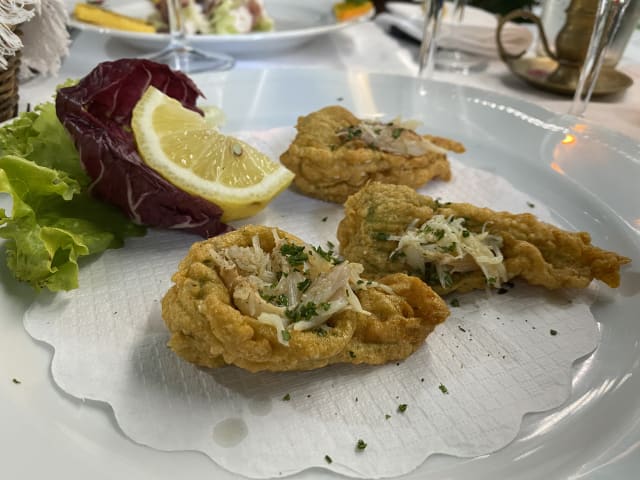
{"x":97,"y":114}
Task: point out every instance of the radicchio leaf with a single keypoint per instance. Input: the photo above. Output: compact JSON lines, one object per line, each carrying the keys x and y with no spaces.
{"x":97,"y":114}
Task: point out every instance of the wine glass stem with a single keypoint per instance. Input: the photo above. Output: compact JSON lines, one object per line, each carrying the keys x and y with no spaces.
{"x":177,"y":31}
{"x":433,"y":14}
{"x":607,"y":21}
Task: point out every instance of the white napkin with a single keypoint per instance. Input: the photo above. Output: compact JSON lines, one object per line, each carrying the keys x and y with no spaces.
{"x":46,"y":40}
{"x":475,"y":34}
{"x":496,"y":358}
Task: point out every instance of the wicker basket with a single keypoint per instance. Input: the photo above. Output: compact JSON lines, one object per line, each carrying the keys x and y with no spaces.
{"x":9,"y":88}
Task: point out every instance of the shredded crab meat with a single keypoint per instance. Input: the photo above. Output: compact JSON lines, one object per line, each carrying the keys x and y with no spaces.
{"x":293,"y":287}
{"x":445,"y":244}
{"x":394,"y":137}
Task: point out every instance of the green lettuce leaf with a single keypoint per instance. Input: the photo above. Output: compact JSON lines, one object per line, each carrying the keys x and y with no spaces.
{"x":53,"y":222}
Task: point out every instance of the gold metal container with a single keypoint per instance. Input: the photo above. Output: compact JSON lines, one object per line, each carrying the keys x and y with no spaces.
{"x":558,"y":72}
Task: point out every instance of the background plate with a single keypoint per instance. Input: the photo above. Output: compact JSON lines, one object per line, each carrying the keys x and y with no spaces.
{"x":296,"y":22}
{"x":587,"y":176}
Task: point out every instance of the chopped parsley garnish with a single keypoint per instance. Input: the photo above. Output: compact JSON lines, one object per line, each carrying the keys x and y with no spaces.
{"x":531,"y":205}
{"x":294,"y":254}
{"x":396,"y":132}
{"x":361,"y":445}
{"x":451,"y":248}
{"x":328,"y":459}
{"x":353,"y":132}
{"x":381,"y":235}
{"x":466,"y":233}
{"x":326,"y":254}
{"x":304,"y":285}
{"x":286,"y":335}
{"x":437,"y":204}
{"x":278,"y":300}
{"x":402,"y":407}
{"x":443,"y":389}
{"x":321,"y":332}
{"x":324,"y":219}
{"x":302,"y":312}
{"x":387,"y":416}
{"x":431,"y":276}
{"x":396,"y":254}
{"x":16,"y":381}
{"x":491,"y":281}
{"x":329,"y":254}
{"x":553,"y":332}
{"x":352,"y":354}
{"x":306,"y":311}
{"x":286,"y":398}
{"x":455,"y":302}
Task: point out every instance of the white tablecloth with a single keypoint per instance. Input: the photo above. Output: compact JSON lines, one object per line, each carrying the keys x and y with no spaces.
{"x":367,"y":47}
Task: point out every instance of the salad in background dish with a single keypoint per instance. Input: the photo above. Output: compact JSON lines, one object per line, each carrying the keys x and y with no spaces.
{"x":216,"y":16}
{"x":200,"y":17}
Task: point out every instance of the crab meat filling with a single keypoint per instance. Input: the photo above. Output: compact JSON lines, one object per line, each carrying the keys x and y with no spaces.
{"x":293,"y":287}
{"x":394,"y":137}
{"x":443,"y":246}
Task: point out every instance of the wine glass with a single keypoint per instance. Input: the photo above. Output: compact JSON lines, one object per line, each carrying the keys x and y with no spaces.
{"x":428,"y":45}
{"x":607,"y":21}
{"x":431,"y":56}
{"x":454,"y":59}
{"x":179,"y":55}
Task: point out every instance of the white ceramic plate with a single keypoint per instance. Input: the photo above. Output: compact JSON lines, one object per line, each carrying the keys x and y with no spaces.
{"x":296,"y":22}
{"x":588,"y":177}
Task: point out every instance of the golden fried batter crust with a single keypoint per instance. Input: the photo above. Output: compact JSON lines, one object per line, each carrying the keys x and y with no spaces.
{"x":331,"y":169}
{"x":207,"y":329}
{"x":533,"y":250}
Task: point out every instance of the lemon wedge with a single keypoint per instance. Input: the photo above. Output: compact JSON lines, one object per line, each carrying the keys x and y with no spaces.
{"x":187,"y":151}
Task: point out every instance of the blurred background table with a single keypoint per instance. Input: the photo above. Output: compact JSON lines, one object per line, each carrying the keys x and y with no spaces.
{"x":367,"y":47}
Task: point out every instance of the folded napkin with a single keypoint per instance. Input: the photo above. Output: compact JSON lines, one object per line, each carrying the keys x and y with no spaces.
{"x":476,"y":33}
{"x":46,"y":40}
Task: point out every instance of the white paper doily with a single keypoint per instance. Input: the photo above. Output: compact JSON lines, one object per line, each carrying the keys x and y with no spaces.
{"x":466,"y":390}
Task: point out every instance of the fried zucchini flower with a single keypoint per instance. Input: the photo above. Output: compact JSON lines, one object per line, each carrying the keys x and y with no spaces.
{"x":262,"y":299}
{"x":461,"y":247}
{"x":335,"y":153}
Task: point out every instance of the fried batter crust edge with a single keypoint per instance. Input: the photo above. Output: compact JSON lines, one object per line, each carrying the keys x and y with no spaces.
{"x":332,"y":175}
{"x":208,"y":330}
{"x":537,"y":252}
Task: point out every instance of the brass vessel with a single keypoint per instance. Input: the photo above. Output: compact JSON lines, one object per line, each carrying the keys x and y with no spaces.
{"x":559,"y":71}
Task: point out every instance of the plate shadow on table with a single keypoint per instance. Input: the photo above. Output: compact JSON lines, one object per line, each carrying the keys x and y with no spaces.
{"x":512,"y":82}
